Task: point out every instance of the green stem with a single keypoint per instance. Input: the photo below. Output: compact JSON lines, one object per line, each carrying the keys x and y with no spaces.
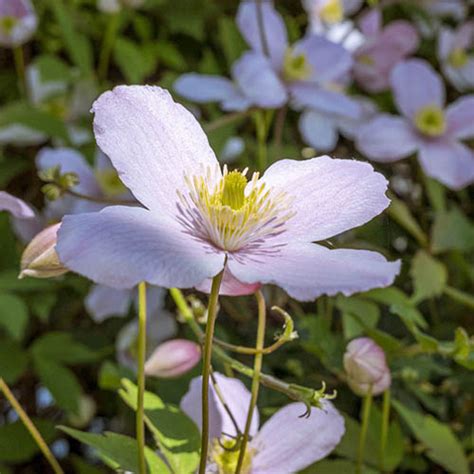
{"x":19,"y":59}
{"x":257,"y":368}
{"x":226,"y":120}
{"x":363,"y":430}
{"x":384,"y":431}
{"x":140,"y":426}
{"x":261,"y":131}
{"x":460,"y":296}
{"x":107,"y":46}
{"x":206,"y":367}
{"x":35,"y":434}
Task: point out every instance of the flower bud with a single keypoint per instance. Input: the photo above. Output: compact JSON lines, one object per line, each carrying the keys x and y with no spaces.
{"x":39,"y":259}
{"x":173,"y":358}
{"x":18,"y":22}
{"x":365,"y":366}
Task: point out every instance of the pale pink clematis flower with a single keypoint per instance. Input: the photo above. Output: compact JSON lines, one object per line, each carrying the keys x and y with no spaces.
{"x":198,"y":219}
{"x":286,"y":440}
{"x":18,"y":22}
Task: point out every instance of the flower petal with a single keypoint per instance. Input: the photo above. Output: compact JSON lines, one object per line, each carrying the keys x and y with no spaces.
{"x":15,"y":206}
{"x":400,"y":35}
{"x":451,"y":163}
{"x":230,"y":286}
{"x":258,"y":81}
{"x":237,"y":398}
{"x":460,"y":118}
{"x":274,"y":29}
{"x":152,"y":142}
{"x":306,"y":271}
{"x":329,"y":196}
{"x":204,"y":87}
{"x":318,"y":130}
{"x":387,"y":138}
{"x":292,"y":443}
{"x":371,"y":22}
{"x":122,"y":246}
{"x":102,"y":302}
{"x":415,"y":85}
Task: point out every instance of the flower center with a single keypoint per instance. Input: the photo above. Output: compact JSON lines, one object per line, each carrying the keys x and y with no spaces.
{"x":295,"y":66}
{"x":366,"y":60}
{"x":332,"y":11}
{"x":7,"y":23}
{"x":458,"y":58}
{"x":226,"y":454}
{"x":233,"y":213}
{"x":430,"y":121}
{"x":109,"y":182}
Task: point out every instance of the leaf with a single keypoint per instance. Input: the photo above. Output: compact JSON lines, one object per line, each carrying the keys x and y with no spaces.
{"x":176,"y":434}
{"x":401,"y":214}
{"x":119,"y":451}
{"x":230,"y":40}
{"x":336,"y":466}
{"x":452,"y":231}
{"x":13,"y":315}
{"x":429,"y":276}
{"x":13,"y":360}
{"x":9,"y":282}
{"x":42,"y":304}
{"x":170,"y":56}
{"x":16,"y":443}
{"x":354,"y":310}
{"x":442,"y":446}
{"x":134,"y":60}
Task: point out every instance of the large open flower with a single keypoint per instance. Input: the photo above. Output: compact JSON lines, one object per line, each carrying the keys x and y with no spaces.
{"x":198,"y":218}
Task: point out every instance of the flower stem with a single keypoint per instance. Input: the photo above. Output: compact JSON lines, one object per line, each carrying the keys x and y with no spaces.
{"x":19,"y":59}
{"x":36,"y":435}
{"x":384,"y":431}
{"x":363,"y":430}
{"x":206,"y":367}
{"x":261,"y":131}
{"x":226,"y":120}
{"x":460,"y":296}
{"x":107,"y":46}
{"x":140,"y":426}
{"x":257,"y":368}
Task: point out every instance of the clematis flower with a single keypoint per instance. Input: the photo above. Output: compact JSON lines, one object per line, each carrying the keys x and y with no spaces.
{"x":455,"y":55}
{"x":382,"y":50}
{"x":18,"y":22}
{"x":198,"y":219}
{"x":426,"y":126}
{"x":286,"y":440}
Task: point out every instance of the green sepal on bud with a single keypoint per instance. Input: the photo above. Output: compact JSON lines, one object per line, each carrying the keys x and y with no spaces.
{"x":56,"y":183}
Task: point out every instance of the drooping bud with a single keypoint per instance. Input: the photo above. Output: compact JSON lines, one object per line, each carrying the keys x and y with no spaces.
{"x":173,"y":358}
{"x":39,"y":259}
{"x":18,"y":22}
{"x":366,"y":367}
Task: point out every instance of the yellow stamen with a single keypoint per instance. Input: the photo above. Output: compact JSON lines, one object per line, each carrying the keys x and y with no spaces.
{"x":366,"y":60}
{"x":295,"y":66}
{"x":7,"y":23}
{"x":110,"y":183}
{"x":332,"y":11}
{"x":430,"y":121}
{"x":233,"y":192}
{"x":458,"y":58}
{"x":225,"y":455}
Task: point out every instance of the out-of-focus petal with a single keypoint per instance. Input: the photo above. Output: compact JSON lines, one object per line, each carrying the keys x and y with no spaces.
{"x":122,"y":246}
{"x":318,"y":130}
{"x":258,"y":81}
{"x":273,"y":26}
{"x":450,"y":162}
{"x":152,"y":141}
{"x":460,"y":118}
{"x":24,"y":24}
{"x":15,"y":206}
{"x":306,"y":271}
{"x":204,"y":88}
{"x":402,"y":36}
{"x":328,"y":195}
{"x":415,"y":85}
{"x":102,"y":302}
{"x":387,"y":138}
{"x":230,"y":286}
{"x":371,"y":22}
{"x":292,"y":442}
{"x":237,"y":398}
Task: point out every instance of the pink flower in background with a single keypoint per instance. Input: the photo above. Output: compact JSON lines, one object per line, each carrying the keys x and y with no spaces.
{"x":456,"y":56}
{"x":384,"y":47}
{"x":198,"y":218}
{"x":18,"y":22}
{"x":427,"y":127}
{"x":286,"y":440}
{"x":323,"y":14}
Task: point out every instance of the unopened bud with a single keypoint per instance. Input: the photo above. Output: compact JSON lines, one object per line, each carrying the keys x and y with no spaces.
{"x":173,"y":358}
{"x":366,"y":367}
{"x":39,"y":259}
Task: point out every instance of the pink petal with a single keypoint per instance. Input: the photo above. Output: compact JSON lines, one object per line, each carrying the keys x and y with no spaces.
{"x":387,"y":138}
{"x":402,"y":36}
{"x":329,"y":196}
{"x":122,"y":246}
{"x":451,"y":163}
{"x":460,"y":118}
{"x":415,"y":85}
{"x":306,"y":271}
{"x":371,"y":22}
{"x":237,"y":398}
{"x":230,"y":286}
{"x":292,"y":443}
{"x":152,"y":142}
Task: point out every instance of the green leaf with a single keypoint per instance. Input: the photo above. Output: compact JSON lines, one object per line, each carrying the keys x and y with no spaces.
{"x":9,"y":282}
{"x":429,"y":276}
{"x":401,"y":214}
{"x":118,"y":451}
{"x":176,"y":434}
{"x":442,"y":446}
{"x":13,"y":315}
{"x":452,"y":231}
{"x":230,"y":40}
{"x":356,"y":309}
{"x":135,"y":61}
{"x":16,"y":443}
{"x":170,"y":56}
{"x":13,"y":360}
{"x":42,"y":304}
{"x":336,"y":466}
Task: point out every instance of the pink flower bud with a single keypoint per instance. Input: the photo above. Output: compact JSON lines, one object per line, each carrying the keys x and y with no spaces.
{"x":365,"y":365}
{"x":39,"y":259}
{"x":18,"y":22}
{"x":173,"y":358}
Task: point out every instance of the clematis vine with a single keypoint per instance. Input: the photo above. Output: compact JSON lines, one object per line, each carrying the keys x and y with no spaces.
{"x":286,"y":440}
{"x":428,"y":127}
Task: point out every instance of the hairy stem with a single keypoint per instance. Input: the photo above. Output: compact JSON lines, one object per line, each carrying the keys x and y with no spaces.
{"x":367,"y":403}
{"x":384,"y":431}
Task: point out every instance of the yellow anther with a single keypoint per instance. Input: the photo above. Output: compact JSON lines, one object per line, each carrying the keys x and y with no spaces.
{"x":226,"y":454}
{"x":458,"y":58}
{"x":234,"y":189}
{"x":7,"y":23}
{"x":295,"y":66}
{"x":430,"y":121}
{"x":332,"y":11}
